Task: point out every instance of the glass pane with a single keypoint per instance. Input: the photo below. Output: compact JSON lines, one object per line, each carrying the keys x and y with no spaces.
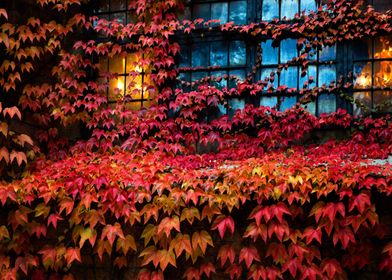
{"x":289,"y":8}
{"x":186,"y":15}
{"x":289,"y":77}
{"x":310,"y":107}
{"x":237,"y":53}
{"x":363,"y":75}
{"x":120,"y":17}
{"x":268,"y":101}
{"x":383,"y":101}
{"x":134,"y":87}
{"x":382,"y":5}
{"x":238,"y":12}
{"x":308,"y":5}
{"x":288,"y":50}
{"x":236,"y":104}
{"x":219,"y":11}
{"x":222,"y":110}
{"x":327,"y":74}
{"x":270,"y":55}
{"x":133,"y":106}
{"x":201,"y":11}
{"x":312,"y":72}
{"x":270,"y":9}
{"x":234,"y":76}
{"x":200,"y":55}
{"x":117,"y":65}
{"x":266,"y":73}
{"x":218,"y":54}
{"x":131,"y":17}
{"x":361,"y":49}
{"x":184,"y":57}
{"x":118,"y":5}
{"x":288,"y":102}
{"x":362,"y":100}
{"x":221,"y":82}
{"x":383,"y":74}
{"x":103,"y":64}
{"x":101,"y":6}
{"x":116,"y":88}
{"x":326,"y":103}
{"x":328,"y":53}
{"x":196,"y":76}
{"x":183,"y":77}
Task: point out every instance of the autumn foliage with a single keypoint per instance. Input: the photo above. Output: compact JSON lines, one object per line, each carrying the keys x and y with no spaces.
{"x":137,"y":192}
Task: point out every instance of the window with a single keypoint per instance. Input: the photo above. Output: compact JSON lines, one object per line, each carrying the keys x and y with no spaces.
{"x":285,"y":9}
{"x":372,"y":63}
{"x":381,"y":5}
{"x":113,"y":9}
{"x":235,"y":11}
{"x":320,"y":69}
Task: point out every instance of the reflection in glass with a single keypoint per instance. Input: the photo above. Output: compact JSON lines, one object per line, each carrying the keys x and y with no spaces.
{"x":383,"y":74}
{"x":364,"y":98}
{"x":266,"y":74}
{"x":200,"y":55}
{"x":184,"y":58}
{"x":363,"y":75}
{"x":120,"y":17}
{"x":237,"y":53}
{"x":101,"y":7}
{"x":383,"y":101}
{"x":196,"y":76}
{"x":238,"y":12}
{"x":218,"y":54}
{"x":239,"y":74}
{"x":327,"y":74}
{"x":201,"y":11}
{"x":268,"y":101}
{"x":383,"y":48}
{"x":312,"y":72}
{"x":289,"y":8}
{"x":328,"y":53}
{"x":382,"y":5}
{"x":270,"y":55}
{"x":326,"y":103}
{"x":288,"y":102}
{"x":289,"y":77}
{"x":219,"y":11}
{"x":288,"y":50}
{"x":310,"y":107}
{"x":219,"y":74}
{"x":236,"y":104}
{"x":308,"y":5}
{"x":270,"y":9}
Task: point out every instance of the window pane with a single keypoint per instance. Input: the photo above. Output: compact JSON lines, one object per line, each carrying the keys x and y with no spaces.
{"x":382,"y":101}
{"x":219,"y":74}
{"x":326,"y":103}
{"x":308,"y":5}
{"x":266,"y":74}
{"x":383,"y":48}
{"x":288,"y":50}
{"x":118,"y":5}
{"x":328,"y":53}
{"x":382,"y":5}
{"x":363,"y":75}
{"x":289,"y":8}
{"x":120,"y":17}
{"x":234,"y":75}
{"x":289,"y":77}
{"x":312,"y":72}
{"x":134,"y":87}
{"x":237,"y":53}
{"x":270,"y":9}
{"x":218,"y":54}
{"x":270,"y":55}
{"x":101,"y":6}
{"x":238,"y":12}
{"x":184,"y":57}
{"x":196,"y":76}
{"x":219,"y":11}
{"x":116,"y":88}
{"x":268,"y":101}
{"x":327,"y":74}
{"x":117,"y":65}
{"x":201,"y":11}
{"x":363,"y":98}
{"x":361,"y":49}
{"x":310,"y":107}
{"x":288,"y":102}
{"x":131,"y":17}
{"x":103,"y":64}
{"x":200,"y":55}
{"x":383,"y":74}
{"x":236,"y":104}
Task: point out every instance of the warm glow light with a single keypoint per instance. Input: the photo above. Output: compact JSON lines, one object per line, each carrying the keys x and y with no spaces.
{"x":363,"y":81}
{"x":120,"y":84}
